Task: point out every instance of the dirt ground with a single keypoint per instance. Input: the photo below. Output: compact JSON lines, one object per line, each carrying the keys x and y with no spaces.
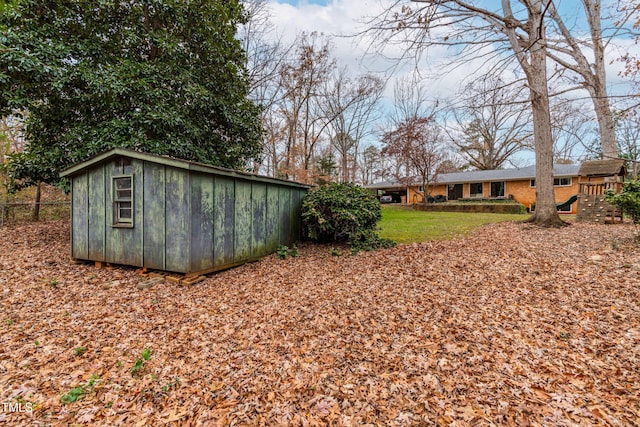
{"x":513,"y":325}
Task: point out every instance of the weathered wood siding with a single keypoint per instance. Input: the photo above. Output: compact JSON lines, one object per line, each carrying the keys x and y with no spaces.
{"x":97,"y":226}
{"x":183,"y":221}
{"x":202,"y":198}
{"x":123,"y":245}
{"x":154,"y":216}
{"x":177,"y":220}
{"x":235,"y":220}
{"x":223,"y":220}
{"x":80,"y":217}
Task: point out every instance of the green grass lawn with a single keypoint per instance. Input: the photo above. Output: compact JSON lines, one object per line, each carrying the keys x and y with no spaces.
{"x":405,"y":225}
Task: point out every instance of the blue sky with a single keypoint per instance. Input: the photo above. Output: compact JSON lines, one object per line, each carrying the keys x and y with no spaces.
{"x":344,"y":17}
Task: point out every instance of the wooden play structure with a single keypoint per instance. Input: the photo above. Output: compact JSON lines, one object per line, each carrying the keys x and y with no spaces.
{"x":595,"y":178}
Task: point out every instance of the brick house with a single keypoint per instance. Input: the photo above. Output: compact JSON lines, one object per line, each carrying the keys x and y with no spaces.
{"x":517,"y":184}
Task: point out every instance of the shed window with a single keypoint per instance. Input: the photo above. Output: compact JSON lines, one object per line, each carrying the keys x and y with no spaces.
{"x":123,"y":201}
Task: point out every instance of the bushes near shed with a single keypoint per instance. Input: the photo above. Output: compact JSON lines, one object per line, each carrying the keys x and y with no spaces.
{"x":343,"y":212}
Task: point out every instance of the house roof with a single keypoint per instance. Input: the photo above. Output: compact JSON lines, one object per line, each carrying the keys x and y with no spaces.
{"x":170,"y":161}
{"x":607,"y":167}
{"x":516,"y":174}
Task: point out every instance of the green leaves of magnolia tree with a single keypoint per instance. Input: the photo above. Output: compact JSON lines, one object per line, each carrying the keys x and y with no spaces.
{"x":166,"y":77}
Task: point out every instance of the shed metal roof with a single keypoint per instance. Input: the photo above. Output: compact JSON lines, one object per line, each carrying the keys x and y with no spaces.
{"x":515,"y":174}
{"x":171,"y":161}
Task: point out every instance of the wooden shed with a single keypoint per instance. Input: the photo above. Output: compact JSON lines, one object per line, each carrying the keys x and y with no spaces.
{"x":173,"y":215}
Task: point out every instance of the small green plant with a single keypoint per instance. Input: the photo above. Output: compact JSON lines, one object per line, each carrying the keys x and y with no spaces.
{"x":37,"y":343}
{"x":283,"y":251}
{"x":73,"y":395}
{"x":335,"y":252}
{"x":140,"y":361}
{"x":171,"y":384}
{"x":293,"y":251}
{"x":53,"y":283}
{"x":79,"y":350}
{"x":628,"y":199}
{"x":77,"y":392}
{"x":8,"y":322}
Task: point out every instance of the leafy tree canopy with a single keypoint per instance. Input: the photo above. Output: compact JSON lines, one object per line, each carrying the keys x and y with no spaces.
{"x":162,"y":76}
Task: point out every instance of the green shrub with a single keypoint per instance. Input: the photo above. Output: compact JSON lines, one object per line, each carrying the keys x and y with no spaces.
{"x":628,"y":200}
{"x":283,"y":251}
{"x":343,"y":213}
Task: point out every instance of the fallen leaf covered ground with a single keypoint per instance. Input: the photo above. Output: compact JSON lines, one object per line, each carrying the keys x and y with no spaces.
{"x":512,"y":325}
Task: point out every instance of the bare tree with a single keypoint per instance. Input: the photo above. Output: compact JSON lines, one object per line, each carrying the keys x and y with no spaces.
{"x":414,"y":141}
{"x":495,"y":123}
{"x":370,"y":165}
{"x":570,"y":127}
{"x":417,"y":143}
{"x":352,"y":106}
{"x":266,"y":55}
{"x":580,"y":55}
{"x":471,"y":29}
{"x":303,"y":82}
{"x":569,"y":48}
{"x":628,"y":130}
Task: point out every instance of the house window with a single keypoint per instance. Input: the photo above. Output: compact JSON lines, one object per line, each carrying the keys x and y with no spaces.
{"x":475,"y":189}
{"x":454,"y":191}
{"x":557,"y":182}
{"x":123,"y":201}
{"x":497,"y":189}
{"x":532,"y":183}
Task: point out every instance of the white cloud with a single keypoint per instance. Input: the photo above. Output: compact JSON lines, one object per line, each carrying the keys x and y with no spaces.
{"x":342,"y":18}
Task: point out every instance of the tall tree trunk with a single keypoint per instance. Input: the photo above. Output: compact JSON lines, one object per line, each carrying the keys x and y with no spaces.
{"x":532,"y":56}
{"x":606,"y":125}
{"x":598,"y":87}
{"x":593,"y":74}
{"x":546,"y":213}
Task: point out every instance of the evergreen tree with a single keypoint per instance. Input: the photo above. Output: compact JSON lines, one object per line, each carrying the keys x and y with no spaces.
{"x":163,"y":76}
